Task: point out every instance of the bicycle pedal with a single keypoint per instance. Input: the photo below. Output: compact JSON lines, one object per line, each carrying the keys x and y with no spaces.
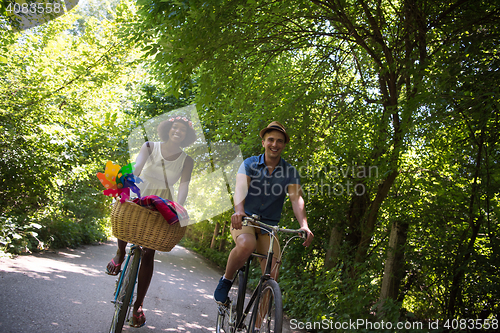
{"x":225,"y":304}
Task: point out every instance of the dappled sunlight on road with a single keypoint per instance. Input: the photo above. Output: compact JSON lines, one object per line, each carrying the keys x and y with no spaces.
{"x":47,"y":268}
{"x":68,"y":291}
{"x":182,"y":300}
{"x":56,"y":291}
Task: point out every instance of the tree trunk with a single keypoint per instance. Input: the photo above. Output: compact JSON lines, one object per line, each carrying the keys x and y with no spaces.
{"x":333,"y":248}
{"x":465,"y":252}
{"x":394,"y":268}
{"x":369,"y":225}
{"x":222,"y":244}
{"x":214,"y":237}
{"x":357,"y":209}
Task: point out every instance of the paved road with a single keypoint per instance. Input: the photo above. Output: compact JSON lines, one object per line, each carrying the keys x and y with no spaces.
{"x":68,"y":291}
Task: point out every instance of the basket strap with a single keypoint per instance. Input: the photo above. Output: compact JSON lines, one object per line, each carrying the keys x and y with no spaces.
{"x":169,"y":194}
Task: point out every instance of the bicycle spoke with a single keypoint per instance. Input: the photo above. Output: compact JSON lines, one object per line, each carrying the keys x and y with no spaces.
{"x":264,"y":310}
{"x":126,"y":292}
{"x":269,"y":315}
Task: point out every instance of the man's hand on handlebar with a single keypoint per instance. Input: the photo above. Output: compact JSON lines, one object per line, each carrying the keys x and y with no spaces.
{"x":309,"y":238}
{"x":236,"y":220}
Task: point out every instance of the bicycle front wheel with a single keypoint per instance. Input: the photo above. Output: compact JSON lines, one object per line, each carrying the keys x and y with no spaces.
{"x":267,"y":314}
{"x":126,"y":292}
{"x":228,"y":316}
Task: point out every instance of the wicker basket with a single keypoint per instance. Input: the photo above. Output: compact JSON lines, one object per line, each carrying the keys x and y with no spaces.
{"x":148,"y":228}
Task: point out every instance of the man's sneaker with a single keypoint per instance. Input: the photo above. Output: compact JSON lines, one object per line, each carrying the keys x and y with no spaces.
{"x":220,"y":294}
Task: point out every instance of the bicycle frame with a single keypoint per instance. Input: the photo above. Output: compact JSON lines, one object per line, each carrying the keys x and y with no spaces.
{"x":133,"y":247}
{"x":264,"y":277}
{"x":235,"y":312}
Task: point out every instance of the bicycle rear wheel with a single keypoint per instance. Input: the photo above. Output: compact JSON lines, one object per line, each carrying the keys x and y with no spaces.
{"x":126,"y":292}
{"x":267,"y":314}
{"x":227,"y":316}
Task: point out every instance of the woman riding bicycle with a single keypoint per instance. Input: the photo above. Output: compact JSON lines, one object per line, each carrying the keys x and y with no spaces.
{"x":160,"y":166}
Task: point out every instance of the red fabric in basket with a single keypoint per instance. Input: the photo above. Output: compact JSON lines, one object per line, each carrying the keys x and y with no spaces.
{"x":170,"y":210}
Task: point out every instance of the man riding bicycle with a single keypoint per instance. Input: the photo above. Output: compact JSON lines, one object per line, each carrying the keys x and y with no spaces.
{"x":262,"y":183}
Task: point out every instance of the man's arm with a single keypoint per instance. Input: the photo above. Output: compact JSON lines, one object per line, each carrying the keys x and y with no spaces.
{"x":299,"y":209}
{"x":240,"y":193}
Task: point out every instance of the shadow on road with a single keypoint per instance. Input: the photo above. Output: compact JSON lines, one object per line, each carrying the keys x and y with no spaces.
{"x":68,"y":291}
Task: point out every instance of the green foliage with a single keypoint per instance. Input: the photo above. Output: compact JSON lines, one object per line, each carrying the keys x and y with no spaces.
{"x":154,"y":101}
{"x":18,"y":236}
{"x":63,"y":88}
{"x":199,"y":238}
{"x":217,"y":257}
{"x":408,"y":88}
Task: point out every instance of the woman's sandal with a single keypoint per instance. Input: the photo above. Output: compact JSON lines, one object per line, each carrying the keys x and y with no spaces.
{"x":113,"y":272}
{"x":138,"y":319}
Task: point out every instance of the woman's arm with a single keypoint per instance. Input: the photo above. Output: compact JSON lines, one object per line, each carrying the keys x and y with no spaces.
{"x":187,"y":169}
{"x":143,"y":156}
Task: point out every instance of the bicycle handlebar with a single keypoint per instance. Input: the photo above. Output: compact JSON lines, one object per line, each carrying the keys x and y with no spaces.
{"x":256,"y":220}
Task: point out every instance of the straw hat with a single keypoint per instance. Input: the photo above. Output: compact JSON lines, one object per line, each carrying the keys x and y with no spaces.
{"x":275,"y":126}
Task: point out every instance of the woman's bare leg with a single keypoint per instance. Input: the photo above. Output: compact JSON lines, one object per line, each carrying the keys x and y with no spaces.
{"x":114,"y":269}
{"x":144,"y":279}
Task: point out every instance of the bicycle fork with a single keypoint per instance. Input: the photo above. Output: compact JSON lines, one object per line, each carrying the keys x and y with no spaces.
{"x":254,"y":299}
{"x":119,"y":281}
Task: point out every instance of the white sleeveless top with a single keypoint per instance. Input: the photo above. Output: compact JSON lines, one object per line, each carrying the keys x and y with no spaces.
{"x":153,"y":175}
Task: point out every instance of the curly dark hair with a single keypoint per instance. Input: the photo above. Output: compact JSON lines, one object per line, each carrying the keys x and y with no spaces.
{"x":165,"y":126}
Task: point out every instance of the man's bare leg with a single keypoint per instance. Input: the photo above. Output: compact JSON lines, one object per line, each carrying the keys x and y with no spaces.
{"x":245,"y":245}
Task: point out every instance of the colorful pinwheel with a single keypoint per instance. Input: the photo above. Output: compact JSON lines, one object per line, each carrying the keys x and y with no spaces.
{"x":118,"y":181}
